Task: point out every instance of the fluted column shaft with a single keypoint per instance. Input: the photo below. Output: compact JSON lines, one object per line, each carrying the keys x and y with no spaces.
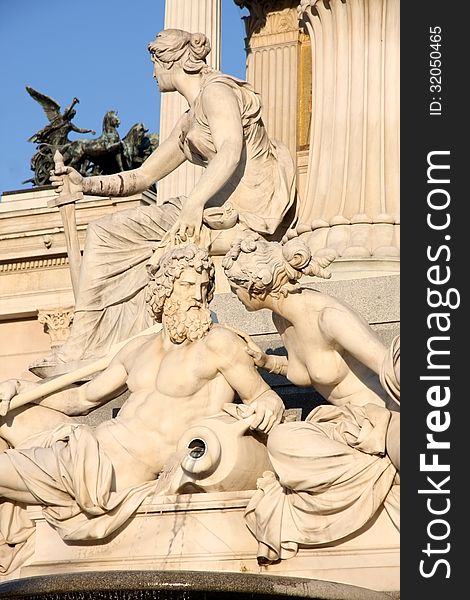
{"x":353,"y":171}
{"x":194,"y":16}
{"x":272,"y":63}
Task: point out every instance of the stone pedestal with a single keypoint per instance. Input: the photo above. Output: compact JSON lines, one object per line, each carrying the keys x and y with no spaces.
{"x":207,"y":532}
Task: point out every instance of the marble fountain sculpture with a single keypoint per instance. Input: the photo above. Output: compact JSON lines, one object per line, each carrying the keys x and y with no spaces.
{"x":201,"y":485}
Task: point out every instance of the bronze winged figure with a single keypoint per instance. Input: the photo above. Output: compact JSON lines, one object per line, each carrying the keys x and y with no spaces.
{"x":60,"y":124}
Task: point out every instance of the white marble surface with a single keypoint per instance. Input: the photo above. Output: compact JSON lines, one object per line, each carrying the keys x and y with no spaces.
{"x":207,"y":532}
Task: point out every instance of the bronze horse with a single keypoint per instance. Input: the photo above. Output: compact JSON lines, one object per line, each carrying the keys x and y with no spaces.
{"x":103,"y":155}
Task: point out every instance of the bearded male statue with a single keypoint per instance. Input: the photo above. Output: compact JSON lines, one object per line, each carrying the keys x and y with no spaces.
{"x":91,"y":480}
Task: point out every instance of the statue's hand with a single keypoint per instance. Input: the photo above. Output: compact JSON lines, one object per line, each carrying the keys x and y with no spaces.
{"x":259,"y":357}
{"x":8,"y":389}
{"x":267,"y":410}
{"x":188,"y":225}
{"x":75,"y":180}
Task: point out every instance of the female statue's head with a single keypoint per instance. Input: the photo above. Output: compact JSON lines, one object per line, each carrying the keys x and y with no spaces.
{"x":175,"y":46}
{"x":263,"y":268}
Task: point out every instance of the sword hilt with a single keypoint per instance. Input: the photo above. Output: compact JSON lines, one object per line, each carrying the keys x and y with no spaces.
{"x":65,"y":196}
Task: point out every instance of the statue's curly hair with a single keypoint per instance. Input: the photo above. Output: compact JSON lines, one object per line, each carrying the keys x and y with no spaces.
{"x":175,"y":46}
{"x":169,"y":268}
{"x":263,"y":267}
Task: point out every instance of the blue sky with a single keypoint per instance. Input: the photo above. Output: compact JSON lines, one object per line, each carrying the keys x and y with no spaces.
{"x":95,"y":50}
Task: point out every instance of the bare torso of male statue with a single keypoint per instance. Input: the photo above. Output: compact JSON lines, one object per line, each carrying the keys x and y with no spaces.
{"x":170,"y":388}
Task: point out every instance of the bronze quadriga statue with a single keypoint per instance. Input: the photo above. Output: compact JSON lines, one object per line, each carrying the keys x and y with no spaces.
{"x":103,"y":155}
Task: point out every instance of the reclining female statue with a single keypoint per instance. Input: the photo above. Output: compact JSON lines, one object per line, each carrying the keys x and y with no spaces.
{"x":336,"y":469}
{"x":248,"y":182}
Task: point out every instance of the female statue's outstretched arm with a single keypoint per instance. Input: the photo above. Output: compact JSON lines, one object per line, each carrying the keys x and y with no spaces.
{"x":270,"y":362}
{"x":346,"y":329}
{"x":164,"y":160}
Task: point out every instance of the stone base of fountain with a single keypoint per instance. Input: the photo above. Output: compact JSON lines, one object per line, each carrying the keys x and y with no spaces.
{"x":180,"y":585}
{"x":207,"y":532}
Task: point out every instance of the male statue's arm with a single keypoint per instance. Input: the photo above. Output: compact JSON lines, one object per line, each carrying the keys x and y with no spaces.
{"x":103,"y":388}
{"x":238,"y":369}
{"x":74,"y":401}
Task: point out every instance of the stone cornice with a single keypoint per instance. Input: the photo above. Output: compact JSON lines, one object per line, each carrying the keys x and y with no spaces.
{"x":32,"y":264}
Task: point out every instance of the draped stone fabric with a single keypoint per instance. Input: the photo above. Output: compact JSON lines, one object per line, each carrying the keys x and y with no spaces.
{"x":332,"y":476}
{"x":16,"y":536}
{"x":390,"y":371}
{"x":67,"y":473}
{"x":113,"y":276}
{"x":262,"y":189}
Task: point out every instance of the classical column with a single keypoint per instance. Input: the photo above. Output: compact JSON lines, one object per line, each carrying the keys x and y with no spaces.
{"x":57,"y":323}
{"x":272,"y":40}
{"x":194,"y":16}
{"x":351,"y":199}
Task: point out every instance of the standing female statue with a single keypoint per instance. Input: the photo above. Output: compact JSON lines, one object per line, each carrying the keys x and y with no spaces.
{"x":336,"y":469}
{"x":248,"y":182}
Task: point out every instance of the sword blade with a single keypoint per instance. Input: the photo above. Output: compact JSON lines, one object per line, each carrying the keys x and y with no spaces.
{"x":67,"y":212}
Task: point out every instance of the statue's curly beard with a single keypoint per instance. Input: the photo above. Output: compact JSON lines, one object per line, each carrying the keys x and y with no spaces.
{"x":186,"y":320}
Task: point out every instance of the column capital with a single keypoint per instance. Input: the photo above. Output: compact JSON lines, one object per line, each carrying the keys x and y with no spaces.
{"x":260,"y":11}
{"x":57,"y":323}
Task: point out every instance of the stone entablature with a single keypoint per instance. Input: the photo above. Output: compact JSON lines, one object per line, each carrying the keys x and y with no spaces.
{"x":34,"y":268}
{"x":156,"y":539}
{"x":33,"y":255}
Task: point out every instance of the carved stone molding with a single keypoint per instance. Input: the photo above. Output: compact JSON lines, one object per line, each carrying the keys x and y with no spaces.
{"x":352,"y":183}
{"x":269,"y":16}
{"x":278,"y":22}
{"x":32,"y":264}
{"x":57,"y":323}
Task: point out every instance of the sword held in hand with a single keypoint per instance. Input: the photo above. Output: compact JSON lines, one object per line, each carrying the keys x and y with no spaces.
{"x":65,"y":201}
